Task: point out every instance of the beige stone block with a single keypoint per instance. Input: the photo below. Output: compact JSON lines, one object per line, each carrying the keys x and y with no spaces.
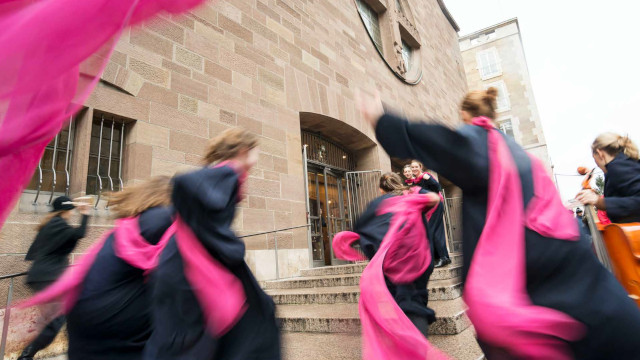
{"x":218,"y":72}
{"x":242,"y":82}
{"x":166,"y":28}
{"x":310,"y":60}
{"x":165,"y":154}
{"x":294,"y":185}
{"x":278,"y":205}
{"x":280,"y":30}
{"x":215,"y":128}
{"x":258,"y":28}
{"x":214,"y":36}
{"x":271,"y":175}
{"x":283,"y":219}
{"x":280,"y":165}
{"x":228,"y":118}
{"x":149,"y":134}
{"x":170,"y":65}
{"x":208,"y":111}
{"x":152,"y":42}
{"x":228,"y":9}
{"x":149,"y":72}
{"x":178,"y":120}
{"x":257,"y":202}
{"x":265,"y":162}
{"x":158,"y":94}
{"x":188,"y":58}
{"x":202,"y":45}
{"x":193,"y":159}
{"x":273,"y":96}
{"x":128,"y":81}
{"x":187,"y":143}
{"x":257,"y":220}
{"x":252,"y":125}
{"x":110,"y":72}
{"x":235,"y":28}
{"x":115,"y":102}
{"x":265,"y":265}
{"x":266,"y":188}
{"x":188,"y":104}
{"x":169,"y":168}
{"x":235,"y":62}
{"x":186,"y":86}
{"x":137,"y":161}
{"x":270,"y":79}
{"x":272,"y":147}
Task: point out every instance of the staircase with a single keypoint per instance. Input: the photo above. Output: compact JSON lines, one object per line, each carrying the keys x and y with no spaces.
{"x":319,"y":317}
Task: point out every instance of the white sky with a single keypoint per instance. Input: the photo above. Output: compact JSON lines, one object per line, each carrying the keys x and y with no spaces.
{"x":584,"y":63}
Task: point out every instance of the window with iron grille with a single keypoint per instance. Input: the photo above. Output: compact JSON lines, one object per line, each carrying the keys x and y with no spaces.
{"x":506,"y":127}
{"x":105,"y":155}
{"x":325,"y":152}
{"x":371,"y":22}
{"x":54,"y":169}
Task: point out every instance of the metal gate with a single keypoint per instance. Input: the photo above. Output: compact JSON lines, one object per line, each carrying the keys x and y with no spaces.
{"x":362,"y":187}
{"x":453,"y":217}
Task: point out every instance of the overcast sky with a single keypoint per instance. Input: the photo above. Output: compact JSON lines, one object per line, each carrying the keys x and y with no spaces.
{"x":584,"y":62}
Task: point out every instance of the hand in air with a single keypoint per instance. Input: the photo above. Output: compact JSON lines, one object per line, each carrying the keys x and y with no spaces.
{"x":370,"y":107}
{"x":587,"y":197}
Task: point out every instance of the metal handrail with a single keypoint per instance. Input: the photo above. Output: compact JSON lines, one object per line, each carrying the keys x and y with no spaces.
{"x":120,"y":162}
{"x":66,"y":157}
{"x":98,"y":166}
{"x":53,"y":168}
{"x":274,"y":231}
{"x":113,"y":123}
{"x":7,"y":313}
{"x":35,"y":200}
{"x":275,"y":243}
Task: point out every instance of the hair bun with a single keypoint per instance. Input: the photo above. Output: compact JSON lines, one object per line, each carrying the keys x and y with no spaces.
{"x":492,"y":93}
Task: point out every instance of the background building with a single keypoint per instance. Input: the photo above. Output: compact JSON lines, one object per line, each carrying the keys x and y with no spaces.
{"x":495,"y":57}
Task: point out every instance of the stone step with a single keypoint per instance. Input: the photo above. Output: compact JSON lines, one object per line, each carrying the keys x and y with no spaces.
{"x":344,"y":318}
{"x":438,"y":290}
{"x":456,"y":261}
{"x":342,"y":346}
{"x":349,"y":278}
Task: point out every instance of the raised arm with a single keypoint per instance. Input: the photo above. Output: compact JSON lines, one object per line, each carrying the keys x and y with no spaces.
{"x":458,"y":156}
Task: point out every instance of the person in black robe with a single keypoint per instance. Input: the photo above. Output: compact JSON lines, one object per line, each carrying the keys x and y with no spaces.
{"x":111,"y":318}
{"x":49,"y":252}
{"x":205,"y":200}
{"x":372,"y":228}
{"x":561,"y":275}
{"x":618,"y":157}
{"x":436,"y":224}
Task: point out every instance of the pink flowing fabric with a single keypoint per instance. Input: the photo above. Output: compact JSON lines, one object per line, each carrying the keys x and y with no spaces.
{"x":343,"y":246}
{"x":404,"y":255}
{"x":219,"y":292}
{"x":53,"y":53}
{"x":495,"y":291}
{"x":128,"y":244}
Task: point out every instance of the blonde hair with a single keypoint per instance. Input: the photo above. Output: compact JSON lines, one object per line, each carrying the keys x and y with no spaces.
{"x":481,"y":103}
{"x":419,"y":163}
{"x":392,"y":183}
{"x":49,"y":217}
{"x":133,"y":200}
{"x":613,"y":144}
{"x":229,"y":144}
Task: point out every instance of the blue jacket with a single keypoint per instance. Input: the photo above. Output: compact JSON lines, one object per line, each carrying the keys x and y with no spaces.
{"x":622,"y":189}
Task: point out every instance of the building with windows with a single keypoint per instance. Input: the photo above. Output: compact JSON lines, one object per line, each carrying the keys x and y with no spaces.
{"x":495,"y":57}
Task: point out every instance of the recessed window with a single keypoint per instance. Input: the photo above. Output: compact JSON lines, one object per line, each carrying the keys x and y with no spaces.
{"x":105,"y":155}
{"x":502,"y":102}
{"x":371,"y":22}
{"x":506,"y":127}
{"x":489,"y":63}
{"x":406,"y":55}
{"x":55,"y":165}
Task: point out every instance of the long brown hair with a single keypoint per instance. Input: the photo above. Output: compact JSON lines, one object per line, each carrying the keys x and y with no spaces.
{"x":229,"y":144}
{"x":391,"y":183}
{"x":613,"y":144}
{"x":49,"y":217}
{"x":481,"y":103}
{"x":133,"y":200}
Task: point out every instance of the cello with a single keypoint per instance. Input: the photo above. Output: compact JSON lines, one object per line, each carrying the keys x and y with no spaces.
{"x":617,"y":246}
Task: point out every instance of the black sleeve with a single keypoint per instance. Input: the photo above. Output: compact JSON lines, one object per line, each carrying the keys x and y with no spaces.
{"x":68,"y":235}
{"x":450,"y":153}
{"x":624,"y":183}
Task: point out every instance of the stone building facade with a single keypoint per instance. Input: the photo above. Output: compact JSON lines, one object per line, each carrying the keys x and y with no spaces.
{"x":287,"y":70}
{"x":495,"y":57}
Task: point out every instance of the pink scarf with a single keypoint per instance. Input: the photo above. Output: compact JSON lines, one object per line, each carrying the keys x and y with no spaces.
{"x":403,"y":256}
{"x":495,"y":291}
{"x":53,"y":53}
{"x":128,"y":245}
{"x":219,"y":292}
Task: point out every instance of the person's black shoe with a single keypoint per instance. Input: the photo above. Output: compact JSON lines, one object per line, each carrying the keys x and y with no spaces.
{"x":28,"y":353}
{"x":446,"y":261}
{"x":439,"y":263}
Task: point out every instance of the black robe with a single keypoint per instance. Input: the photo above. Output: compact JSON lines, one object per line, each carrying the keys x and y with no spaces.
{"x":622,"y":189}
{"x":50,"y":251}
{"x":436,"y":224}
{"x":562,"y":275}
{"x":372,"y":228}
{"x":112,"y":317}
{"x":206,"y":201}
